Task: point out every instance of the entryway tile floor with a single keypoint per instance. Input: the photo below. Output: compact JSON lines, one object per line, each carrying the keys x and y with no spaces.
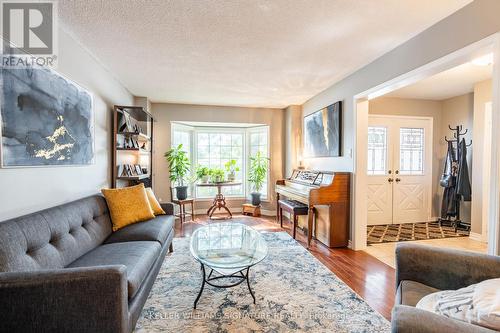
{"x":385,"y":252}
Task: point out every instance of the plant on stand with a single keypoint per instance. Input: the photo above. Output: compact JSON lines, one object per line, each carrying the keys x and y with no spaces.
{"x":203,"y":173}
{"x":178,"y":165}
{"x":257,"y":175}
{"x":216,"y":175}
{"x":231,"y":170}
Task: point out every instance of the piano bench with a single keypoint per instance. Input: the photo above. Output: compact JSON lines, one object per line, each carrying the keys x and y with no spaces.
{"x":293,"y":207}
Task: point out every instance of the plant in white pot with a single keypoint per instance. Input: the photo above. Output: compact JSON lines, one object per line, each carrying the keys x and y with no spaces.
{"x":231,"y":170}
{"x":257,"y":175}
{"x":216,"y":175}
{"x":203,"y":173}
{"x":178,"y":165}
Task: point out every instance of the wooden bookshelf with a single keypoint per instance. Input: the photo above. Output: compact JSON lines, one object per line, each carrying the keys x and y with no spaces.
{"x":132,"y":145}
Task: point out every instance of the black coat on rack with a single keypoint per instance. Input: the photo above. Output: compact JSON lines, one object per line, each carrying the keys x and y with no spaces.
{"x":458,"y":188}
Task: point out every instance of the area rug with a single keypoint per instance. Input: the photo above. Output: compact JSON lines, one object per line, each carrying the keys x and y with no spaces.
{"x":294,"y":293}
{"x":387,"y":233}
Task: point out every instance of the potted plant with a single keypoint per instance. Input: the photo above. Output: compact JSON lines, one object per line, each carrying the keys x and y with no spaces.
{"x":178,"y":165}
{"x":216,"y":175}
{"x":231,"y":169}
{"x":257,"y":175}
{"x":202,"y":173}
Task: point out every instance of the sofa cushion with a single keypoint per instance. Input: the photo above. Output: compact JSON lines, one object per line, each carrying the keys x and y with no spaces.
{"x":54,"y":237}
{"x":153,"y":202}
{"x":137,"y":257}
{"x":477,"y":304}
{"x":156,"y":229}
{"x":410,"y":292}
{"x":128,"y":205}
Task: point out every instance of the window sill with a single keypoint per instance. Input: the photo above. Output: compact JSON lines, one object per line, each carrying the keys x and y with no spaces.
{"x":267,"y":200}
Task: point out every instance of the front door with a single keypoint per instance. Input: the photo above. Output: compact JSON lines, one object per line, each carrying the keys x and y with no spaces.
{"x":399,"y":169}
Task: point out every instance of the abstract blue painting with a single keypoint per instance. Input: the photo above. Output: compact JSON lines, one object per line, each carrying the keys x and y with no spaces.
{"x":323,"y":132}
{"x":46,"y":119}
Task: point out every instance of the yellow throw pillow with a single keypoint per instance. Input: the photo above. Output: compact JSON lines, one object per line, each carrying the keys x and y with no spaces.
{"x":128,"y":205}
{"x":153,"y":202}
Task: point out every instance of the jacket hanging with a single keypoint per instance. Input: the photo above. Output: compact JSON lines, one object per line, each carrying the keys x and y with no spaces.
{"x":464,"y":191}
{"x":449,"y":180}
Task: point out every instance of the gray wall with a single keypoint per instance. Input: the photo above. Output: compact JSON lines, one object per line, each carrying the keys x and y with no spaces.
{"x":458,"y":111}
{"x":293,"y":135}
{"x":25,"y":190}
{"x":164,"y":114}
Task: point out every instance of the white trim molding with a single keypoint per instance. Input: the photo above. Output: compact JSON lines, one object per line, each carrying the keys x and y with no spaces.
{"x":478,"y":237}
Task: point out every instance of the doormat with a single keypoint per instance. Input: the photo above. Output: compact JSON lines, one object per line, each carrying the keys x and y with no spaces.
{"x":387,"y":233}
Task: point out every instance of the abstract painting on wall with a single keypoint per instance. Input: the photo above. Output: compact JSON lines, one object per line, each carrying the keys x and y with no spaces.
{"x":46,"y":119}
{"x":323,"y":132}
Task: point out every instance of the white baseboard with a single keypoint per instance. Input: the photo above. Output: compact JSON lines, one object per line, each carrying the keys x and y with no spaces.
{"x":349,"y":244}
{"x":477,"y":237}
{"x":268,"y":212}
{"x":237,"y":210}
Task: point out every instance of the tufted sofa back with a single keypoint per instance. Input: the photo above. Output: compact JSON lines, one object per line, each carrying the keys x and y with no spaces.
{"x":55,"y":237}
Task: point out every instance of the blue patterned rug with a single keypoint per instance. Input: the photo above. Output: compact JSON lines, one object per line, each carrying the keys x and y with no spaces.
{"x":294,"y":292}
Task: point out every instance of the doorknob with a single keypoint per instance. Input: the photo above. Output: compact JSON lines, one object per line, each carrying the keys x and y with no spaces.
{"x":398,"y":180}
{"x":390,"y":180}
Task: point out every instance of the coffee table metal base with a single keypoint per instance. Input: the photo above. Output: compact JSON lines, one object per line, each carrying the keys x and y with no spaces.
{"x":241,"y":276}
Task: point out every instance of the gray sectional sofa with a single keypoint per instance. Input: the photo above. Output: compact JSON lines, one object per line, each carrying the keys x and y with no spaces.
{"x":422,"y":270}
{"x":62,"y":269}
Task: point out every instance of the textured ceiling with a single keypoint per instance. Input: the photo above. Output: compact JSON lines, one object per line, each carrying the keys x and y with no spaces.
{"x":453,"y":82}
{"x":243,"y":52}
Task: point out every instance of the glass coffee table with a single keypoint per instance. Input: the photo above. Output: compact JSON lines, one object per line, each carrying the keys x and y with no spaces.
{"x":228,"y":250}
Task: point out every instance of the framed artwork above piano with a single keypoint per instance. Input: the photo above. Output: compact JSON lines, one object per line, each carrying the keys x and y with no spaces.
{"x":323,"y":132}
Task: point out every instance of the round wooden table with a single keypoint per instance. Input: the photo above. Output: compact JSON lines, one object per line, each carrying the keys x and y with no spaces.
{"x":219,"y":200}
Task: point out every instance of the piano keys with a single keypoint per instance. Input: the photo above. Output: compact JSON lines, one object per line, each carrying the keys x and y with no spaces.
{"x":327,"y":194}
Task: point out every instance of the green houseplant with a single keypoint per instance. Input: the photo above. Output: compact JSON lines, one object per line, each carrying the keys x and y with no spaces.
{"x":216,"y":175}
{"x":178,"y":165}
{"x":231,"y":170}
{"x":202,"y":173}
{"x":257,"y":175}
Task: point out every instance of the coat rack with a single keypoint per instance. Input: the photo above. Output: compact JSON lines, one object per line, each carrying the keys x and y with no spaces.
{"x":458,"y":133}
{"x":457,"y":136}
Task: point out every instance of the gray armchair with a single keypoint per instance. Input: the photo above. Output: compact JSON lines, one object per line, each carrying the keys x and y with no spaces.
{"x":421,"y":270}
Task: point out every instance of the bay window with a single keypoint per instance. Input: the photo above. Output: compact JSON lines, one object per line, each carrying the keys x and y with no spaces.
{"x":213,"y":145}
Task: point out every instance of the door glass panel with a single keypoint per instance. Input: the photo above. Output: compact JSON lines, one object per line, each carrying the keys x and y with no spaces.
{"x":411,"y":151}
{"x":377,"y":150}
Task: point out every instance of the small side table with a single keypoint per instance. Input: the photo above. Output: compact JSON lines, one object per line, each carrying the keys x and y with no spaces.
{"x":219,"y":200}
{"x":251,"y":210}
{"x":182,"y":207}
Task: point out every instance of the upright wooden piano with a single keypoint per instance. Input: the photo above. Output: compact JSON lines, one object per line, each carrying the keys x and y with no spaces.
{"x":328,"y":196}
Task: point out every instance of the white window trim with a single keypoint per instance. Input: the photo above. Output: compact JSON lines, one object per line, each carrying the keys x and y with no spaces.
{"x":245,"y":131}
{"x":249,"y":131}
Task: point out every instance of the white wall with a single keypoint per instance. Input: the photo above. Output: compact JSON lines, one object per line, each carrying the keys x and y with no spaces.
{"x":482,"y":95}
{"x":25,"y":190}
{"x":472,"y":23}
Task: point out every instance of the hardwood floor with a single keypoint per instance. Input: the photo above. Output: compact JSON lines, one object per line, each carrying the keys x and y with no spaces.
{"x":373,"y":280}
